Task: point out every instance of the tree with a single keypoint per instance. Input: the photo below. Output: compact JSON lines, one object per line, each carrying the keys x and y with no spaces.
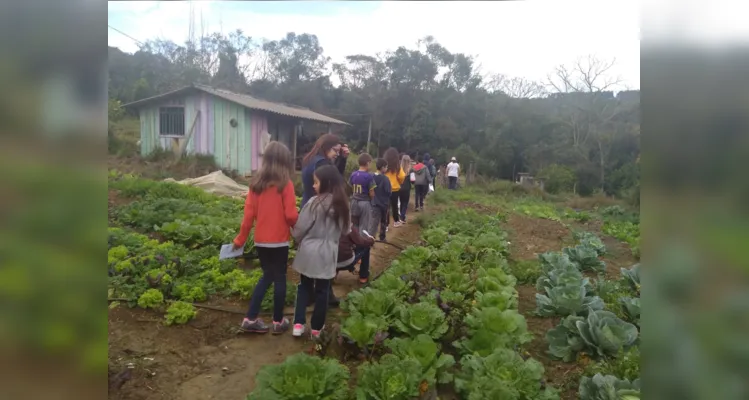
{"x":589,"y":109}
{"x":419,"y":99}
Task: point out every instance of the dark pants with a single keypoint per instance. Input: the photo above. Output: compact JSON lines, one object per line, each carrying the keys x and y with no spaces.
{"x":394,"y":206}
{"x":321,"y":289}
{"x":379,"y":218}
{"x":404,"y":195}
{"x":273,"y":261}
{"x":421,"y":193}
{"x":452,"y":182}
{"x":360,"y":253}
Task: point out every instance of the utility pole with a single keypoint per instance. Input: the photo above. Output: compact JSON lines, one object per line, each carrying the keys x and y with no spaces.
{"x":369,"y":134}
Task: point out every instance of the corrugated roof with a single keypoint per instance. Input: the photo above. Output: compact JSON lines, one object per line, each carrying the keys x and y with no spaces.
{"x":250,"y":102}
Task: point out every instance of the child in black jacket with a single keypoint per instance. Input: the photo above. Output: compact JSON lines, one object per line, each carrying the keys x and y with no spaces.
{"x":381,"y":201}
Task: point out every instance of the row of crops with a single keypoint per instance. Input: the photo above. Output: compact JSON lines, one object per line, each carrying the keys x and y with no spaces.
{"x":442,"y":319}
{"x":600,"y":321}
{"x":163,"y":248}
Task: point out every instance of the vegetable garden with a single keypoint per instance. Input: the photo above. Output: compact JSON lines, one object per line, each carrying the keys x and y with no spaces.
{"x":442,"y":321}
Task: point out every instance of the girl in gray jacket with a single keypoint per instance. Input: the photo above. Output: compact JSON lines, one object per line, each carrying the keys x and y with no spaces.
{"x":317,"y":231}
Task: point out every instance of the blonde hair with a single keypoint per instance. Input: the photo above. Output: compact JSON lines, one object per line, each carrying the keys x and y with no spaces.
{"x":406,"y":163}
{"x":276,"y":169}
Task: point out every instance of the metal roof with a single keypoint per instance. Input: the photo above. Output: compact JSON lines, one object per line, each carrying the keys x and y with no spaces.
{"x":248,"y":101}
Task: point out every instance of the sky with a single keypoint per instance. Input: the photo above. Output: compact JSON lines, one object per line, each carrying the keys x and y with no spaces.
{"x":525,"y":39}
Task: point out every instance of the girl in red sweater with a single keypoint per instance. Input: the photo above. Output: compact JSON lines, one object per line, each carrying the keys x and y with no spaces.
{"x":272,"y":203}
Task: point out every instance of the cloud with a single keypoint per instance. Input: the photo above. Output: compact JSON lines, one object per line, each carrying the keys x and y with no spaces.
{"x":525,"y":39}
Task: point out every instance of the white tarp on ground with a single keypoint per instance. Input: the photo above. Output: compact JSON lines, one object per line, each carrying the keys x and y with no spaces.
{"x":217,"y":183}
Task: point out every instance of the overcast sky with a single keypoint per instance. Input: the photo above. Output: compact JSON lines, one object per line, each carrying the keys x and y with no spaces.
{"x":526,"y":39}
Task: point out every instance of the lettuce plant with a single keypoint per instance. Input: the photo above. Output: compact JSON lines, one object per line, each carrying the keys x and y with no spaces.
{"x":504,"y":299}
{"x":502,"y":374}
{"x":393,"y":285}
{"x":180,"y":312}
{"x":364,"y":330}
{"x":422,"y":317}
{"x":392,"y":378}
{"x":608,"y":387}
{"x":371,"y":302}
{"x":422,"y":348}
{"x":302,"y":376}
{"x":489,"y":328}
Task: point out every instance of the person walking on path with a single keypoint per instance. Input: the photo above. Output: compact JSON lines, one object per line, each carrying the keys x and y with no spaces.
{"x":396,"y":175}
{"x":327,"y":150}
{"x":404,"y":195}
{"x":363,"y":187}
{"x":421,"y":182}
{"x":271,"y":207}
{"x":381,"y":201}
{"x":433,"y":172}
{"x":318,"y":231}
{"x":453,"y":170}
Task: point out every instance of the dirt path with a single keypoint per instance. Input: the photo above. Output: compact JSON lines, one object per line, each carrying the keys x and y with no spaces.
{"x":206,"y":359}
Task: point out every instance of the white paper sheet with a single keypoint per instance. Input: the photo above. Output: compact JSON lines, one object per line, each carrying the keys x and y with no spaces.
{"x":227,"y":252}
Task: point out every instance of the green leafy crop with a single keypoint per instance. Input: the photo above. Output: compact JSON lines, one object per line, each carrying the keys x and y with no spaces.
{"x":180,"y":313}
{"x":302,"y":377}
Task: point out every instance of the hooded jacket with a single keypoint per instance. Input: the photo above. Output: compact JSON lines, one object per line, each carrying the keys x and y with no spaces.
{"x":318,"y":236}
{"x":423,"y":177}
{"x":348,"y":242}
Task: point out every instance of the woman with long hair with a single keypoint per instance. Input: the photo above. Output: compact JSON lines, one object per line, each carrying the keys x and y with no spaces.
{"x":327,"y":150}
{"x":271,"y":207}
{"x":404,"y":195}
{"x":396,"y":175}
{"x":318,"y":231}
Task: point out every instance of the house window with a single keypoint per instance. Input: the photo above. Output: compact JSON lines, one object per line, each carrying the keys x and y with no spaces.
{"x":172,"y":121}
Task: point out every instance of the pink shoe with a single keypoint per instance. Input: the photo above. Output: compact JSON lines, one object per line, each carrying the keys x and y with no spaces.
{"x":298,"y":330}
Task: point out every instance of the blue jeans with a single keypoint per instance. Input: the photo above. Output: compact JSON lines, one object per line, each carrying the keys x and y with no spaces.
{"x":273,"y":261}
{"x":452,"y":182}
{"x":321,"y":289}
{"x":360,"y":253}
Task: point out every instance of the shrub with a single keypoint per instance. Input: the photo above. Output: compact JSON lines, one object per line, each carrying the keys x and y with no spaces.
{"x":557,"y":178}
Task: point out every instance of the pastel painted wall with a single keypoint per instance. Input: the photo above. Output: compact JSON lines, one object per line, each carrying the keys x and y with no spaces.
{"x":234,"y":147}
{"x":149,"y":125}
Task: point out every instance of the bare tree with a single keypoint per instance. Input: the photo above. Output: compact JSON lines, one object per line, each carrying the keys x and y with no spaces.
{"x":518,"y":88}
{"x":588,"y":106}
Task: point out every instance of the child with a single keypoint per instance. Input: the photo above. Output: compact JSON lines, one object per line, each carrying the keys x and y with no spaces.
{"x":353,"y":246}
{"x":272,"y":202}
{"x":363,"y":186}
{"x":381,"y":200}
{"x":397,"y":176}
{"x":321,"y":222}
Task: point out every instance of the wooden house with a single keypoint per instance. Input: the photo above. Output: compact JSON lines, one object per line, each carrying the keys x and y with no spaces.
{"x":230,"y":126}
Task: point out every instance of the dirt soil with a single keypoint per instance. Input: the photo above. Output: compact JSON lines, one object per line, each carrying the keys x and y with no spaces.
{"x":532,"y":236}
{"x":207,"y":358}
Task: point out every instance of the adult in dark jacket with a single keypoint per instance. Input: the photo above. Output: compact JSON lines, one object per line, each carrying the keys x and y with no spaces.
{"x":328,"y":149}
{"x":423,"y":178}
{"x":432,"y":170}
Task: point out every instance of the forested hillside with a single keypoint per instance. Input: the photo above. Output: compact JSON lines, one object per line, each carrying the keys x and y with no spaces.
{"x":572,"y":129}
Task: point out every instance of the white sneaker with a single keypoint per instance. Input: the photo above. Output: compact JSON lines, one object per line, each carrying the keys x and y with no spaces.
{"x":298,"y":330}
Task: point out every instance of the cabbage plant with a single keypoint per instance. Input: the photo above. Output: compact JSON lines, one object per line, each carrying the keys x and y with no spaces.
{"x":607,"y":387}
